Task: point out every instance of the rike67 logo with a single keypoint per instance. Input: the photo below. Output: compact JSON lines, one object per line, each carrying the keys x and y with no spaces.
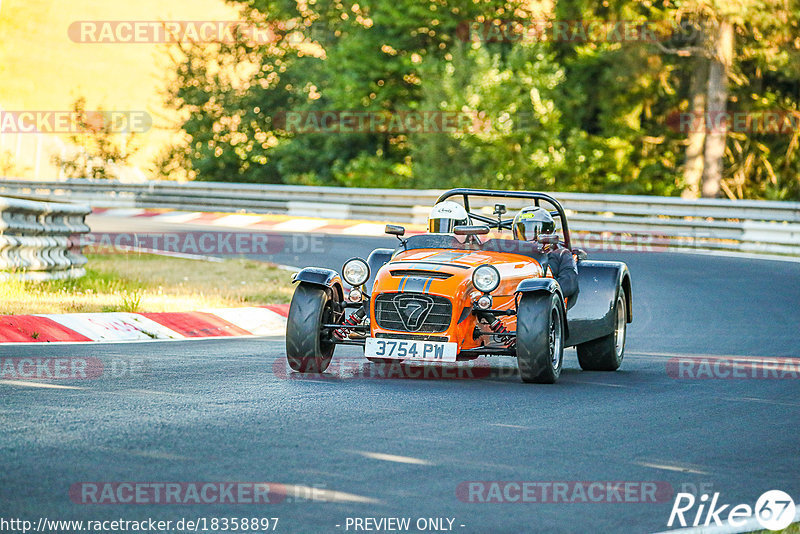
{"x":774,"y":510}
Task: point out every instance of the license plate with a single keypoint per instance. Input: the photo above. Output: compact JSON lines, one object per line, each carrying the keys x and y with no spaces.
{"x":406,"y":349}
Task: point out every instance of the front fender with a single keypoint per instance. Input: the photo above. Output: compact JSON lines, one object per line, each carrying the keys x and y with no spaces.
{"x":545,"y":285}
{"x":532,"y":285}
{"x":318,"y":276}
{"x":377,"y":259}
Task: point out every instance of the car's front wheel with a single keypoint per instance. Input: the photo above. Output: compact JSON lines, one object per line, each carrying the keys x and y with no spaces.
{"x":309,"y":347}
{"x":606,"y":353}
{"x":540,"y":338}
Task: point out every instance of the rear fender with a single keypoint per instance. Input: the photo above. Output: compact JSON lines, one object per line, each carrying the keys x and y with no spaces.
{"x":591,"y":312}
{"x":326,"y":278}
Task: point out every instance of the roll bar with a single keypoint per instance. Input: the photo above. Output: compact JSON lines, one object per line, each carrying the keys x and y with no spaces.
{"x":537,"y":197}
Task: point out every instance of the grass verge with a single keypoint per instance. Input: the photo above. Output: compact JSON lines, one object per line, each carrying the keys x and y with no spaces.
{"x":794,"y":528}
{"x":150,"y":283}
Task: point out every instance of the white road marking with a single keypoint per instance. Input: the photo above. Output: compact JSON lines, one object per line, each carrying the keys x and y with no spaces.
{"x":178,"y":217}
{"x":120,"y":342}
{"x":393,"y":458}
{"x":300,"y":225}
{"x":368,"y":229}
{"x":28,"y":384}
{"x":120,"y":326}
{"x":678,"y":468}
{"x":258,"y":321}
{"x":121,"y":212}
{"x":238,"y":220}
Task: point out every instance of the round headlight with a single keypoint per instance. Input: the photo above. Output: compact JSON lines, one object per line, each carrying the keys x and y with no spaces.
{"x":486,"y":278}
{"x":355,"y":272}
{"x":485,"y":302}
{"x":355,"y":295}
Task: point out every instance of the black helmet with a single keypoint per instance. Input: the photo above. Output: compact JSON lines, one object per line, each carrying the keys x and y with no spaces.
{"x":531,"y":222}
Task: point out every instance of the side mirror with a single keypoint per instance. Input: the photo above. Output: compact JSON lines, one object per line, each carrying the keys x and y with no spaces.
{"x":479,"y":229}
{"x":394,"y":229}
{"x":499,"y":209}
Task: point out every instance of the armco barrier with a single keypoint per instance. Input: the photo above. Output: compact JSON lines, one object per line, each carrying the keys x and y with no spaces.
{"x":40,"y":240}
{"x":706,"y":224}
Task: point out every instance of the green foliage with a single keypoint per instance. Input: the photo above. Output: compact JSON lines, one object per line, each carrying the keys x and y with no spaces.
{"x":555,"y":115}
{"x":100,"y":150}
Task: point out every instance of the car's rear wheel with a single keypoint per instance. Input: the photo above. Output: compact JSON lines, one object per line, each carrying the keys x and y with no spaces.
{"x":607,"y":352}
{"x":309,"y":347}
{"x":540,"y":338}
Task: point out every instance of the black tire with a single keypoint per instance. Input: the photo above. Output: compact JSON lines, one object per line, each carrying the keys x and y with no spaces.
{"x":606,"y":353}
{"x":540,"y":338}
{"x":308,"y":347}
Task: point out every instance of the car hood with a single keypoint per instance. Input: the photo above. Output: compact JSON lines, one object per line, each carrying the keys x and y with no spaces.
{"x":449,"y":272}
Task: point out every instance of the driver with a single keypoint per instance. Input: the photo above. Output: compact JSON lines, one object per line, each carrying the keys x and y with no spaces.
{"x":445,"y":216}
{"x":535,"y":224}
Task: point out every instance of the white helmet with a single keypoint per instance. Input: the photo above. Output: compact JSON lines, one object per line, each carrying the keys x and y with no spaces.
{"x":445,"y":216}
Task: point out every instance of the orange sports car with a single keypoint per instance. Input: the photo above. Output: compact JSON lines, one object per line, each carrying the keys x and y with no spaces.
{"x":466,"y":291}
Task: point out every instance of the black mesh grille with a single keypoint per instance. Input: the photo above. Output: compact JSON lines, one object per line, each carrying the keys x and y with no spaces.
{"x":435,"y":312}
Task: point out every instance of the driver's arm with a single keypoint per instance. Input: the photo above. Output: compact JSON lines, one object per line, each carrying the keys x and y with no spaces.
{"x":565,"y":270}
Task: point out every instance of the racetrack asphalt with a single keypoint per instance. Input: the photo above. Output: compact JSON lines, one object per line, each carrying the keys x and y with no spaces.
{"x":227,"y":410}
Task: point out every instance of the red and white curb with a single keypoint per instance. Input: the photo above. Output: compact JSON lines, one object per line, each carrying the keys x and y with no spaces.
{"x":273,"y":223}
{"x":121,"y":326}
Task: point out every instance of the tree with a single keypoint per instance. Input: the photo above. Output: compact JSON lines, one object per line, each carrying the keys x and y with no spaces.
{"x":717,"y":100}
{"x":96,"y":149}
{"x":582,"y":115}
